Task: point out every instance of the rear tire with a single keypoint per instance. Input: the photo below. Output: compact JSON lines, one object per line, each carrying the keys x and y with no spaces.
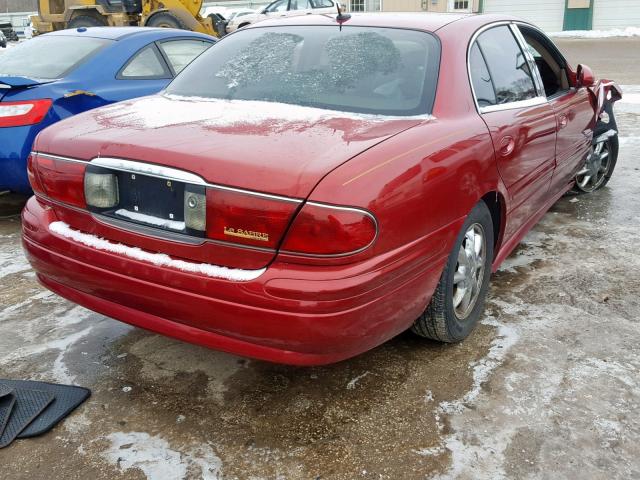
{"x":86,"y":21}
{"x":166,"y":20}
{"x":447,"y":318}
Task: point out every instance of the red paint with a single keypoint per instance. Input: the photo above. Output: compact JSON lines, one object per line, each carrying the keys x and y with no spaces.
{"x":418,"y":178}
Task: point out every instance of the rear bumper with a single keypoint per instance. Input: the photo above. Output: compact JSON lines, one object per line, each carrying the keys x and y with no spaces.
{"x":291,"y":314}
{"x":15,"y":146}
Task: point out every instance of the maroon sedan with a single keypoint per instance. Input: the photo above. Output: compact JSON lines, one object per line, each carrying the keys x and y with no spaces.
{"x":309,"y":188}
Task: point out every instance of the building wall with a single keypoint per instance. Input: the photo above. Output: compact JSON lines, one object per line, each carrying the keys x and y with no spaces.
{"x":11,"y":6}
{"x":546,"y":14}
{"x":424,"y":5}
{"x":609,"y":14}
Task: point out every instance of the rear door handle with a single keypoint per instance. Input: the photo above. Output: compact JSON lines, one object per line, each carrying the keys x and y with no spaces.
{"x":507,"y":146}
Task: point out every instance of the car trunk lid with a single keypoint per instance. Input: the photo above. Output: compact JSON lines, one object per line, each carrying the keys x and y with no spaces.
{"x":267,"y":153}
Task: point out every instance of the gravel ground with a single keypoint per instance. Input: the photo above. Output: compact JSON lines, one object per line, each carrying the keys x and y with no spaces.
{"x":547,"y":387}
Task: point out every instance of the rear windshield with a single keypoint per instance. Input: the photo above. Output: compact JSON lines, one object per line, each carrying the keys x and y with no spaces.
{"x":383,"y":71}
{"x":48,"y":57}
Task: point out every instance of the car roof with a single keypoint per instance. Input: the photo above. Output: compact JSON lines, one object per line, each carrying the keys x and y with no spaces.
{"x":427,"y":21}
{"x":118,"y":33}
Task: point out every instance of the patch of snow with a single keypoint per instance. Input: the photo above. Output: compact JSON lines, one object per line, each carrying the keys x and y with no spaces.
{"x":154,"y":456}
{"x":158,"y":259}
{"x":431,"y":452}
{"x":428,"y":397}
{"x":506,"y":338}
{"x":151,"y":220}
{"x":353,"y":382}
{"x":160,"y":111}
{"x":11,"y":263}
{"x":531,"y":249}
{"x":630,"y":102}
{"x":44,"y":295}
{"x":614,"y":32}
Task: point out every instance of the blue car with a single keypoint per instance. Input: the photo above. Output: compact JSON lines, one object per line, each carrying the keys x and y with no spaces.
{"x":67,"y":72}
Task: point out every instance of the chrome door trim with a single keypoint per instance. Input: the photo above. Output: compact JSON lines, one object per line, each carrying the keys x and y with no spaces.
{"x":530,"y":102}
{"x":533,"y":66}
{"x":538,"y":100}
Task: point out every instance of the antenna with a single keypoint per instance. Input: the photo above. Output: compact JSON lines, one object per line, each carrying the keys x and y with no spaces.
{"x":342,"y":17}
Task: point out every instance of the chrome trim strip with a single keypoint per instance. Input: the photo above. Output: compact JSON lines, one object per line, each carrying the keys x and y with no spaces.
{"x":148,"y":169}
{"x":338,"y":255}
{"x":530,"y":102}
{"x":57,"y":157}
{"x":166,"y":173}
{"x":533,"y":66}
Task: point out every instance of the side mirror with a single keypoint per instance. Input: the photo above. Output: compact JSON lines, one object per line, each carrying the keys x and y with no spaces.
{"x":585,"y":76}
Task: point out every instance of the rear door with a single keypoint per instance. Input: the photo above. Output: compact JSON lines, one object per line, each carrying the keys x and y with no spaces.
{"x":572,"y":106}
{"x":521,"y":122}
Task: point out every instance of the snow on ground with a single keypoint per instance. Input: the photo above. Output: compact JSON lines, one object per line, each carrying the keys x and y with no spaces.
{"x":524,"y":411}
{"x":614,"y":32}
{"x":154,"y":456}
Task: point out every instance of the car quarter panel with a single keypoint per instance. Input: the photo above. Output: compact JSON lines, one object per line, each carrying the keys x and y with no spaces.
{"x":423,"y":182}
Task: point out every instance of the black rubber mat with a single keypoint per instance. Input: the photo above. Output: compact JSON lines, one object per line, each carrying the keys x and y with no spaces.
{"x":7,"y":399}
{"x":29,"y":404}
{"x":67,"y":399}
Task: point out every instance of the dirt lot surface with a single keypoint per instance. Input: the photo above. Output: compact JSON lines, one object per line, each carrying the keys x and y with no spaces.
{"x":547,"y":387}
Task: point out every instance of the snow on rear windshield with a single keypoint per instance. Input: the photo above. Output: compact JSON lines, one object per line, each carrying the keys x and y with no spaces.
{"x":48,"y":57}
{"x":357,"y":69}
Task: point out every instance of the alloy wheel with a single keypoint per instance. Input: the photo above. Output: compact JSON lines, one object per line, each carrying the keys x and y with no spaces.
{"x":594,"y":173}
{"x":469,"y":272}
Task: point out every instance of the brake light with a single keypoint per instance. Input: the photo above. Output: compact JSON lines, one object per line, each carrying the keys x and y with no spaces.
{"x":246,"y":219}
{"x":60,"y":180}
{"x":321,"y":229}
{"x":20,"y":114}
{"x":32,"y":174}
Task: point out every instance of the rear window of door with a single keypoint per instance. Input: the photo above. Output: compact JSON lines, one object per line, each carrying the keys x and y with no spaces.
{"x":145,"y":65}
{"x":49,"y":57}
{"x":300,"y":5}
{"x":506,"y":64}
{"x":279,"y":6}
{"x":481,"y":79}
{"x":181,"y":53}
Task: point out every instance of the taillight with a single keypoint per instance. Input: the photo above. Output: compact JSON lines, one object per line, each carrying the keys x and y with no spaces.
{"x":32,"y":174}
{"x":20,"y":114}
{"x":60,"y":180}
{"x":329,"y":230}
{"x":258,"y":221}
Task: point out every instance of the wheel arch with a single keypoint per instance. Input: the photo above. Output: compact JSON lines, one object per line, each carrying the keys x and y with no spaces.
{"x":496,"y":204}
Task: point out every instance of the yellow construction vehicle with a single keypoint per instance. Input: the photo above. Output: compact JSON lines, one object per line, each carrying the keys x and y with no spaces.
{"x":61,"y":14}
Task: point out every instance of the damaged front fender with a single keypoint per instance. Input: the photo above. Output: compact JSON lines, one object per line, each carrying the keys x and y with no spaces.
{"x":605,"y":93}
